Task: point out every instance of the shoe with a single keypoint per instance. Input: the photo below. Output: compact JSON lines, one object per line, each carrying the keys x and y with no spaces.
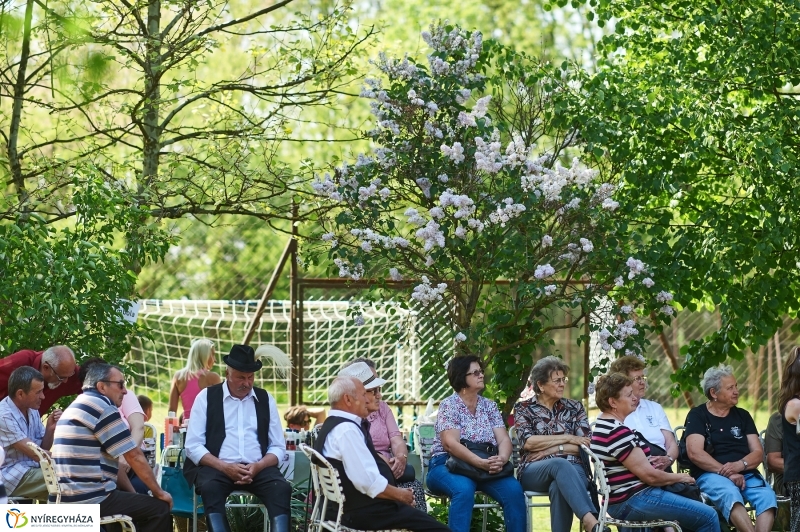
{"x":596,"y":528}
{"x":280,"y":523}
{"x":219,"y":523}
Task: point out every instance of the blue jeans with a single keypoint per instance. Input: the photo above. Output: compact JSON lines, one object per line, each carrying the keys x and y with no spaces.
{"x":724,"y":494}
{"x":654,"y":503}
{"x":461,"y":491}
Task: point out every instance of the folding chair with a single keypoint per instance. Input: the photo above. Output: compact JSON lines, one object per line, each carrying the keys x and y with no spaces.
{"x":328,"y":489}
{"x":53,"y":488}
{"x":529,"y":495}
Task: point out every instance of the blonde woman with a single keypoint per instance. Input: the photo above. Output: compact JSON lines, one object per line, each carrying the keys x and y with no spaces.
{"x":196,"y":376}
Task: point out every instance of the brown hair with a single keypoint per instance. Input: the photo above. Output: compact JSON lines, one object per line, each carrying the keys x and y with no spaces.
{"x":626,"y":364}
{"x":296,"y":415}
{"x":790,"y":384}
{"x":608,"y":387}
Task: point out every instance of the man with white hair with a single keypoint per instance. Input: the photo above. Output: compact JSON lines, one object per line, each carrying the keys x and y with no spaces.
{"x":372,"y":501}
{"x":56,"y":364}
{"x":235,"y":442}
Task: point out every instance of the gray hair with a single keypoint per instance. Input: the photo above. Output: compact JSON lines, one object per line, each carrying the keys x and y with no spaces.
{"x":543,"y":369}
{"x":21,"y":379}
{"x":57,"y":353}
{"x":712,"y":379}
{"x":366,"y":361}
{"x":340,"y":387}
{"x":96,"y":373}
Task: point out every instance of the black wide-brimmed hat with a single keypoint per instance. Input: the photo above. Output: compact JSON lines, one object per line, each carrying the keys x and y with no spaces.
{"x":242,"y":358}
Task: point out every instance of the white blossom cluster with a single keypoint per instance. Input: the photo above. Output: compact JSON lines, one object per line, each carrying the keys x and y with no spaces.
{"x":616,"y":340}
{"x":543,"y":271}
{"x":550,"y":182}
{"x":456,"y":40}
{"x":348,"y":270}
{"x":487,"y":154}
{"x":427,"y":294}
{"x":369,"y":237}
{"x":506,"y":212}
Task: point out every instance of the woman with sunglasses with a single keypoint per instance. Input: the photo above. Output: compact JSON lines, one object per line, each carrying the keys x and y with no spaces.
{"x":789,"y":408}
{"x":551,"y":429}
{"x":466,"y":415}
{"x":299,"y":417}
{"x":649,"y":418}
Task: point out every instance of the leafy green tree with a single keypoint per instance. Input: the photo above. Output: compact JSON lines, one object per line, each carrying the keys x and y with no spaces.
{"x":696,"y":104}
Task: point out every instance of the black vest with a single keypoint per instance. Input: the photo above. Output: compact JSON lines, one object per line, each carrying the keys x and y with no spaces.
{"x":215,"y":425}
{"x":353,"y":499}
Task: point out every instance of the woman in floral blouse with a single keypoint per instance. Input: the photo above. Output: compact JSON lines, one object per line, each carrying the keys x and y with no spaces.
{"x":466,"y":415}
{"x":551,"y":429}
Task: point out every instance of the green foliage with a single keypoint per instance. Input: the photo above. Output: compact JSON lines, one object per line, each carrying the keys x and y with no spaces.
{"x":440,"y":510}
{"x":695,"y":103}
{"x":65,"y":285}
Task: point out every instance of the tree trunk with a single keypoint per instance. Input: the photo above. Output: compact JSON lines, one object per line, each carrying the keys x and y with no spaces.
{"x":14,"y":161}
{"x":151,"y":138}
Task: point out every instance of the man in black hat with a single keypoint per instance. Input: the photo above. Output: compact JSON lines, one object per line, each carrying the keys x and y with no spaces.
{"x":235,"y":442}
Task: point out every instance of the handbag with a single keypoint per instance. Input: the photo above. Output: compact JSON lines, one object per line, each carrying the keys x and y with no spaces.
{"x":683,"y":453}
{"x":483,"y":450}
{"x":174,"y":483}
{"x":690,"y":491}
{"x":655,"y":450}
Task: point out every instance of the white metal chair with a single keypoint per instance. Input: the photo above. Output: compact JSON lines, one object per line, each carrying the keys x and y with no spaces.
{"x":328,"y":489}
{"x":529,"y":495}
{"x":51,"y":481}
{"x":424,"y":436}
{"x":604,"y":491}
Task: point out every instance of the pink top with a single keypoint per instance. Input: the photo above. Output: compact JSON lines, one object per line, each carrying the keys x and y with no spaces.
{"x":189,"y":394}
{"x":383,"y":428}
{"x":130,"y":405}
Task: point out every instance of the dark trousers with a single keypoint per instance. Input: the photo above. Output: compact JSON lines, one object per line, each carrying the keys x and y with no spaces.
{"x":268,"y":485}
{"x":383,"y":514}
{"x":148,"y":513}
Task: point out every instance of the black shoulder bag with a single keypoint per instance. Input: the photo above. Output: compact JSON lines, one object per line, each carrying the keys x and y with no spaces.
{"x":484,"y":450}
{"x":683,"y":454}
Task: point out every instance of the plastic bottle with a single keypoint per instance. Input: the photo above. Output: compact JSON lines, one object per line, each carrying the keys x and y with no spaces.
{"x":169,"y":423}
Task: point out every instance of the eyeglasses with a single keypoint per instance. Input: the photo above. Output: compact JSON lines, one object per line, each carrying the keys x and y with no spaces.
{"x":562,"y":380}
{"x":640,"y":379}
{"x":121,"y":383}
{"x":476,"y":373}
{"x":374,"y":391}
{"x":59,"y":377}
{"x":307,"y":421}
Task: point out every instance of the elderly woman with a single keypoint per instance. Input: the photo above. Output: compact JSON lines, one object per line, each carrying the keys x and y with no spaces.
{"x":726,"y":470}
{"x":551,"y":430}
{"x":649,"y":418}
{"x":466,"y":417}
{"x":383,"y":429}
{"x":635,"y":485}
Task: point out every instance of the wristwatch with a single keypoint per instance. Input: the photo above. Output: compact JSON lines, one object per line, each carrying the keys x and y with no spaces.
{"x":561,"y":448}
{"x":745,"y":464}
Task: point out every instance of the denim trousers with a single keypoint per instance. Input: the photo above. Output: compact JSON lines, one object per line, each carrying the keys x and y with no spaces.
{"x":654,"y":503}
{"x":461,"y":491}
{"x":566,"y":484}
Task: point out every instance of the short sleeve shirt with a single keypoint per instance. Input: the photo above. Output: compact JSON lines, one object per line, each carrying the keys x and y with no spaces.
{"x":613,"y":442}
{"x":773,"y":443}
{"x":649,"y":419}
{"x":532,"y":418}
{"x":89,"y":438}
{"x":454,"y":414}
{"x":14,"y":427}
{"x":728,"y":434}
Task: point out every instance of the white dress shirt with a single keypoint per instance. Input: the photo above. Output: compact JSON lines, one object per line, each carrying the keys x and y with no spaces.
{"x":650,"y":419}
{"x":346,"y":443}
{"x":241,"y":437}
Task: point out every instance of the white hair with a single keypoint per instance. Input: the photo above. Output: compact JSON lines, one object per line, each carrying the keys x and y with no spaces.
{"x":713,"y":378}
{"x":53,"y":355}
{"x":340,"y":387}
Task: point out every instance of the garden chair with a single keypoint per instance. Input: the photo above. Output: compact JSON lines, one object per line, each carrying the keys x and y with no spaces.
{"x":604,"y":491}
{"x":529,"y":495}
{"x":327,"y":489}
{"x":53,"y":488}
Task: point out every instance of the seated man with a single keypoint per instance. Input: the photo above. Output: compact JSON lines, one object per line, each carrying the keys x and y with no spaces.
{"x":20,"y":423}
{"x":88,"y":440}
{"x":372,"y":501}
{"x":235,"y":442}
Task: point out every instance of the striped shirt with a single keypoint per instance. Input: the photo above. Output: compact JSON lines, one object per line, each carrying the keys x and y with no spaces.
{"x":14,"y":427}
{"x":613,"y":442}
{"x":89,"y":438}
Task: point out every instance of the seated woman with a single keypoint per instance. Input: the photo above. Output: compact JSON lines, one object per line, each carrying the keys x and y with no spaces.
{"x":551,"y":429}
{"x":726,"y":472}
{"x":384,"y":431}
{"x":649,"y":418}
{"x":466,"y":415}
{"x":196,"y":376}
{"x":636,"y":493}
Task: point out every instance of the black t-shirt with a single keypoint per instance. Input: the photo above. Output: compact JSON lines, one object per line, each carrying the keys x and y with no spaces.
{"x":728,"y":434}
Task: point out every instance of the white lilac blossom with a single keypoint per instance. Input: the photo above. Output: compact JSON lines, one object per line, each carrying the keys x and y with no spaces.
{"x":395,"y":274}
{"x":359,"y":320}
{"x":443,"y":178}
{"x":516,"y":152}
{"x":544,"y":270}
{"x":487,"y":155}
{"x":618,"y":281}
{"x":437,"y":213}
{"x":431,"y":236}
{"x":547,"y":241}
{"x":668,"y":310}
{"x":648,"y":282}
{"x":460,"y":337}
{"x":413,"y":217}
{"x":366,"y":246}
{"x":550,"y":289}
{"x":427,"y":294}
{"x":384,"y":193}
{"x":506,"y":212}
{"x":586,"y":245}
{"x":424,"y":185}
{"x":590,"y":389}
{"x":456,"y":153}
{"x":475,"y":224}
{"x":466,"y":120}
{"x":462,"y":96}
{"x":464,"y":205}
{"x":664,"y":297}
{"x":635,"y":267}
{"x":626,"y":309}
{"x":331,"y":238}
{"x":461,"y":232}
{"x":347,"y":270}
{"x":610,"y":204}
